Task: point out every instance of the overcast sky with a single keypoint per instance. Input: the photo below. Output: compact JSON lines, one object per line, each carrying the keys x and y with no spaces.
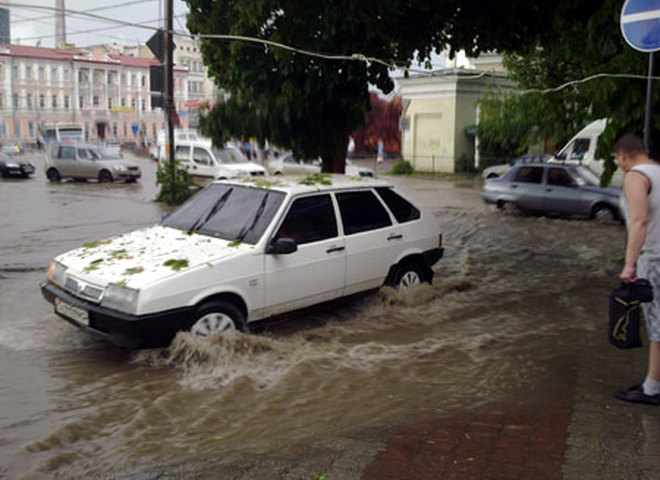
{"x":31,"y":25}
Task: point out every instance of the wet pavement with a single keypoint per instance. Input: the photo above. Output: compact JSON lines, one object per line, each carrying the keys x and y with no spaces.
{"x":501,"y":369}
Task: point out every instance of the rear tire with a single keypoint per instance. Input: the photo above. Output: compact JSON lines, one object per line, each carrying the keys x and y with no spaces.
{"x":407,"y":274}
{"x":218,"y":317}
{"x":105,"y":176}
{"x":53,"y":175}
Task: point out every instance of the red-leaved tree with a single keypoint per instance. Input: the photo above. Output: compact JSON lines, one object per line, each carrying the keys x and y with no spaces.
{"x":382,"y":122}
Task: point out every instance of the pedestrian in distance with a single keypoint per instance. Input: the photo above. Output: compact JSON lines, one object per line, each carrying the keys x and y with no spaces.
{"x":640,"y":203}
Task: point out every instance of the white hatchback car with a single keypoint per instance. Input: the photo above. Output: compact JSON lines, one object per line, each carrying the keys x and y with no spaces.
{"x":240,"y":251}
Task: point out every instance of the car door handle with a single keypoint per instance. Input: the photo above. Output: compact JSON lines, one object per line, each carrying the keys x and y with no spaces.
{"x":396,"y":236}
{"x":514,"y":186}
{"x":549,"y":189}
{"x":334,"y":249}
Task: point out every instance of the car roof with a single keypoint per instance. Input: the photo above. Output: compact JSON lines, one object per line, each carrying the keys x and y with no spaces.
{"x":313,"y":183}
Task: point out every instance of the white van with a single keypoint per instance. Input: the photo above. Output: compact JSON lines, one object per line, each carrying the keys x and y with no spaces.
{"x":203,"y":159}
{"x":581,"y":149}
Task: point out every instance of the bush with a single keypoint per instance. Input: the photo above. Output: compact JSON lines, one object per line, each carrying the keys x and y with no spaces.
{"x":174,"y":190}
{"x":404,"y":167}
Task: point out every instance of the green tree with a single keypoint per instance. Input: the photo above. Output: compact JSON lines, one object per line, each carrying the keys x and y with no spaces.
{"x":312,"y":104}
{"x":582,"y":39}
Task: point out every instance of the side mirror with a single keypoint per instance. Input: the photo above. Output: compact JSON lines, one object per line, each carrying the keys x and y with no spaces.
{"x":282,"y":246}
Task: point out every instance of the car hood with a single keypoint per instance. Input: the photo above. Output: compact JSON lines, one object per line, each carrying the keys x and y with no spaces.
{"x":612,"y":191}
{"x":244,"y":167}
{"x":141,"y":257}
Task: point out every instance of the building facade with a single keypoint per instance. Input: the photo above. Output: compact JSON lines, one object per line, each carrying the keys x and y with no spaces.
{"x":108,"y":94}
{"x":440,"y":117}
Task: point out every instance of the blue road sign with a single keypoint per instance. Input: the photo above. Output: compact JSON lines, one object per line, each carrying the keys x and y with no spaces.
{"x":640,"y":24}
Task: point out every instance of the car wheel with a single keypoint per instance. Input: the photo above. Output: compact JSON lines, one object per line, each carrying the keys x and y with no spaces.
{"x":53,"y":175}
{"x":218,"y":317}
{"x":406,"y":275}
{"x":603,"y":213}
{"x":105,"y":176}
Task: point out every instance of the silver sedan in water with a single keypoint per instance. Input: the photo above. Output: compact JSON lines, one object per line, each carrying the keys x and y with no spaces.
{"x":553,"y":189}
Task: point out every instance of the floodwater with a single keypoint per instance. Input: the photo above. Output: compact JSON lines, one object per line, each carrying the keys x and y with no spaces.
{"x":315,"y":395}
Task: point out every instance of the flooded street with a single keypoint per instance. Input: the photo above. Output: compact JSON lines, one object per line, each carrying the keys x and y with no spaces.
{"x":514,"y":299}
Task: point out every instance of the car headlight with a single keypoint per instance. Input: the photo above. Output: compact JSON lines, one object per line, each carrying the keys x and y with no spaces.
{"x":119,"y":168}
{"x":12,"y":165}
{"x":56,"y":273}
{"x":117,"y":297}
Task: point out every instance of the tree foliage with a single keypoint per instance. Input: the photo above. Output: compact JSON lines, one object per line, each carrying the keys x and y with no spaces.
{"x":582,"y":39}
{"x":311,"y":104}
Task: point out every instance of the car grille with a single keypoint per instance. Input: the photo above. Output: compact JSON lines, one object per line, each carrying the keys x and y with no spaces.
{"x":83,"y":289}
{"x":254,"y":174}
{"x":366,"y":174}
{"x":134,"y":169}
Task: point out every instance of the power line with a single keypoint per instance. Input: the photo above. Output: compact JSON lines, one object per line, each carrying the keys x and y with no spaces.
{"x":352,"y":57}
{"x":97,"y":9}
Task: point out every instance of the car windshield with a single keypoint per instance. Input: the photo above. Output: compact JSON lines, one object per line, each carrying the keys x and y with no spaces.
{"x":229,"y":155}
{"x":584,"y":176}
{"x":227,"y":211}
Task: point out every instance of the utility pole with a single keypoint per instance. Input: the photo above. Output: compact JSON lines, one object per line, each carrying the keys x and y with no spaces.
{"x":170,"y":112}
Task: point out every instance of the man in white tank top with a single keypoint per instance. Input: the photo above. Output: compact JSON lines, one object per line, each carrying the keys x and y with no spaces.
{"x":640,"y":203}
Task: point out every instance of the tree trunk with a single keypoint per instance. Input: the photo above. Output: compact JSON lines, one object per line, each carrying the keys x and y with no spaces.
{"x":335,"y":161}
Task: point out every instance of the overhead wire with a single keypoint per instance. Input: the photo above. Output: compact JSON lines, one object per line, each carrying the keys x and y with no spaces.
{"x":333,"y":57}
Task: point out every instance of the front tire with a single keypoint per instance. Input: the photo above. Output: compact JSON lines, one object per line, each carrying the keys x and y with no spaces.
{"x":218,"y":317}
{"x":603,"y":213}
{"x":105,"y":176}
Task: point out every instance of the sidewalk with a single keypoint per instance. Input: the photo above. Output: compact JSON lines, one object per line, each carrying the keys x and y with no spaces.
{"x":571,"y":428}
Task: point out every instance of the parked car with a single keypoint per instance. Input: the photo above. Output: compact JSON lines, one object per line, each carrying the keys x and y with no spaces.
{"x":553,"y":189}
{"x":15,"y":167}
{"x":88,"y":161}
{"x":499,"y":170}
{"x":243,"y":250}
{"x":289,"y":165}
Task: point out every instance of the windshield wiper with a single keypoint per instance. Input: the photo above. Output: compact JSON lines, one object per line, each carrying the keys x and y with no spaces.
{"x":204,"y":218}
{"x":262,"y":206}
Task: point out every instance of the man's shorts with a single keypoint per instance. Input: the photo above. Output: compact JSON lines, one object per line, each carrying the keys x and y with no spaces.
{"x":650,"y":270}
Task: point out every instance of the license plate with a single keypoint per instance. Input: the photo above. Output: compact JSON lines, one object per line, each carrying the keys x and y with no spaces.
{"x":71,"y":311}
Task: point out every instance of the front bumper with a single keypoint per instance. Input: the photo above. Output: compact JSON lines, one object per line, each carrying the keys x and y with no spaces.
{"x":128,"y":331}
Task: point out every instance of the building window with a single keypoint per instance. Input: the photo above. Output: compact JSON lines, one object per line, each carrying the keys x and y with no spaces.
{"x":133,"y":103}
{"x":133,"y":80}
{"x":95,"y":101}
{"x":109,"y":78}
{"x":98,"y":79}
{"x":15,"y":100}
{"x":14,"y":72}
{"x":144,"y":80}
{"x":123,"y":79}
{"x":81,"y":102}
{"x":42,"y":101}
{"x":123,"y":102}
{"x":144,"y":105}
{"x":28,"y":72}
{"x":66,"y":102}
{"x":66,"y":74}
{"x":109,"y":103}
{"x":54,"y":101}
{"x":2,"y":101}
{"x":30,"y":129}
{"x":115,"y":130}
{"x":42,"y":73}
{"x":28,"y":100}
{"x":125,"y":130}
{"x":53,"y":74}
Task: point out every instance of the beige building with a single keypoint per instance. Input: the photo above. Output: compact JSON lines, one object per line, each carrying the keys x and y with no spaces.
{"x":441,"y":113}
{"x":107,"y":93}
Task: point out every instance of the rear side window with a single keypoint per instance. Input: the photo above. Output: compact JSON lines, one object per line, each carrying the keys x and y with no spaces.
{"x":529,"y":175}
{"x":559,"y":176}
{"x":403,"y":210}
{"x":310,"y":219}
{"x":362,"y":211}
{"x":182,"y":153}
